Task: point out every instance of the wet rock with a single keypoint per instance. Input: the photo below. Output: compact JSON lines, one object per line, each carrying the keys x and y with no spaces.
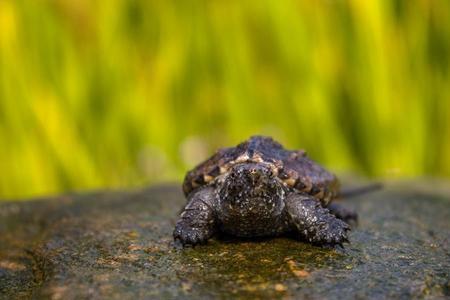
{"x":118,"y":245}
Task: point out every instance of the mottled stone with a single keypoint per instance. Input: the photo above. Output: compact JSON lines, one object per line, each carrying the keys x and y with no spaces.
{"x":118,"y":245}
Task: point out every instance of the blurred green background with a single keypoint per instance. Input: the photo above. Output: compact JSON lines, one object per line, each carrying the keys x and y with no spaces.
{"x":128,"y":93}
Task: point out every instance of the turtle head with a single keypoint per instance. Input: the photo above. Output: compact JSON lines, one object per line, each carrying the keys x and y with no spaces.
{"x":251,"y":190}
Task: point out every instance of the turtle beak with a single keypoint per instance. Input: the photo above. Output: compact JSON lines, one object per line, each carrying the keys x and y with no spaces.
{"x":252,"y":178}
{"x":259,"y":176}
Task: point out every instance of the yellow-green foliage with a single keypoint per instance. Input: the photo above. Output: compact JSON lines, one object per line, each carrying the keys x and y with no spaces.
{"x":121,"y":93}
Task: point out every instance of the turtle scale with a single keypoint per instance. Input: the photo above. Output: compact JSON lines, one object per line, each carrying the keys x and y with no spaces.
{"x":293,"y":167}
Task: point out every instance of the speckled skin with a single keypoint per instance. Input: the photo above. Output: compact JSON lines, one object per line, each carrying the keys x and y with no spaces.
{"x":258,"y":188}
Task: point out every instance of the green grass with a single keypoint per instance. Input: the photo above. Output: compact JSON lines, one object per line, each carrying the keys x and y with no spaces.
{"x":125,"y":93}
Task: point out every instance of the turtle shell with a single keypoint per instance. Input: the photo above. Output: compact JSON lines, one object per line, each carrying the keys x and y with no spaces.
{"x":294,"y":168}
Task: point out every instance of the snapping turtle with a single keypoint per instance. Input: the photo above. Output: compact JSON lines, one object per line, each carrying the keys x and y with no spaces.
{"x":258,"y":188}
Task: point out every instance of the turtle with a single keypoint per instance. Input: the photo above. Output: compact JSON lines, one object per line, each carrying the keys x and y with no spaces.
{"x":259,"y":189}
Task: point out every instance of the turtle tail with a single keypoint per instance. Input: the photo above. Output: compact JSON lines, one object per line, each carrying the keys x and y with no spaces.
{"x":357,"y":191}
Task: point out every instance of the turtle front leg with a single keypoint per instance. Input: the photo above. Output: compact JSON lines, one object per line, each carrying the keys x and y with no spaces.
{"x":197,"y":222}
{"x":314,"y":222}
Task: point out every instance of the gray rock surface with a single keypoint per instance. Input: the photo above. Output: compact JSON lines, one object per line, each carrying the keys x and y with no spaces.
{"x":118,"y":245}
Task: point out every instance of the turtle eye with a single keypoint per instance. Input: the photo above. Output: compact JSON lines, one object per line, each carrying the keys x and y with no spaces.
{"x":314,"y":190}
{"x":215,"y":172}
{"x":284,"y":175}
